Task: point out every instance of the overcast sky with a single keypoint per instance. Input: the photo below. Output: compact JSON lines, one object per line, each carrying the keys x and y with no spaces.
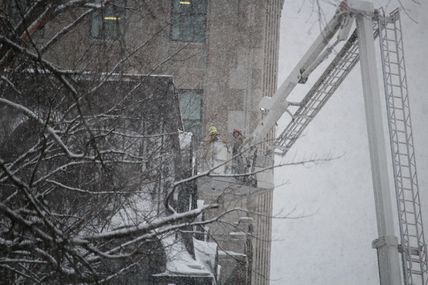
{"x":333,"y":244}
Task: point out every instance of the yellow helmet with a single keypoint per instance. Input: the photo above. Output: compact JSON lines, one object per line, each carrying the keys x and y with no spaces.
{"x":212,"y":130}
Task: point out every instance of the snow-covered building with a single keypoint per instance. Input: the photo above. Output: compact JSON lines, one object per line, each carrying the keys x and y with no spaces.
{"x":139,"y":149}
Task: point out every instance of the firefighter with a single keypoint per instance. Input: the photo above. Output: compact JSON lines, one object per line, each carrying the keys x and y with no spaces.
{"x":207,"y":148}
{"x":238,"y":141}
{"x":212,"y":135}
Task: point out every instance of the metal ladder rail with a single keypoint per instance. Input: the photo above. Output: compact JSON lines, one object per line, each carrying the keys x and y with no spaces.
{"x":319,"y":94}
{"x":413,"y":247}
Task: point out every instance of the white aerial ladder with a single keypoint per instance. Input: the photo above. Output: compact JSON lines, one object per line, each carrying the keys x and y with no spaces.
{"x":359,"y":46}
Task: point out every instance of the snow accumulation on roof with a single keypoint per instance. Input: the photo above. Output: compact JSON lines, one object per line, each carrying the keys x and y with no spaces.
{"x":205,"y":253}
{"x":230,"y":253}
{"x":110,"y":76}
{"x":237,"y":234}
{"x":180,"y":262}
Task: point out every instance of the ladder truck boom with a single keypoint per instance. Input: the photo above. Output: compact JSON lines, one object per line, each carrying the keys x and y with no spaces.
{"x":331,"y":78}
{"x":360,"y":47}
{"x":278,"y":104}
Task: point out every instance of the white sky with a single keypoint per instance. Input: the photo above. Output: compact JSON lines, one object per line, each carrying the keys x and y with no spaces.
{"x":333,"y":244}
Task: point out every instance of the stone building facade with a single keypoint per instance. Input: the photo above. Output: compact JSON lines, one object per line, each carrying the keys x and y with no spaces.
{"x":223,"y":57}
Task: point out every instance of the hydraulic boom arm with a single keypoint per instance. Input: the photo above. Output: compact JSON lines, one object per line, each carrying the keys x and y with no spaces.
{"x":360,"y":47}
{"x":278,"y":104}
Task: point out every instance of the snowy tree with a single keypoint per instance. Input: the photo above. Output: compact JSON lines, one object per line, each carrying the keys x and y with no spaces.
{"x":90,"y":162}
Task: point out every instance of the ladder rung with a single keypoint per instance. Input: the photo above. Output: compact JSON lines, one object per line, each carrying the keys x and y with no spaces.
{"x":390,"y":29}
{"x":415,"y":251}
{"x":411,"y":224}
{"x":417,"y":260}
{"x":390,"y":51}
{"x":405,"y":177}
{"x":403,"y":166}
{"x":408,"y":201}
{"x":392,"y":73}
{"x":389,"y":40}
{"x":409,"y":212}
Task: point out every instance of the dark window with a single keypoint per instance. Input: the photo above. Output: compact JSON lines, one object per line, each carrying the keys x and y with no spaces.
{"x":109,"y":22}
{"x":18,"y":9}
{"x":191,"y":111}
{"x":189,"y":20}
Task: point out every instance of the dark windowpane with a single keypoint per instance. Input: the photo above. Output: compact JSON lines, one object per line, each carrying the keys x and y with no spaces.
{"x":182,"y":6}
{"x":109,"y":29}
{"x":199,"y":28}
{"x":109,"y":23}
{"x":109,"y":10}
{"x":199,"y":7}
{"x":176,"y":6}
{"x":188,"y":20}
{"x":186,"y":28}
{"x":18,"y":9}
{"x":96,"y":24}
{"x":190,"y":105}
{"x":191,"y":111}
{"x":175,"y":26}
{"x":182,"y":27}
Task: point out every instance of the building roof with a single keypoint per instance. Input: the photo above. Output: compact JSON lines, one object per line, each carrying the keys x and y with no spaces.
{"x":179,"y":262}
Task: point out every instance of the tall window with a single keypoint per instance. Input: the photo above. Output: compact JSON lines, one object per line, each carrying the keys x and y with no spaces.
{"x":18,"y":9}
{"x":191,"y":111}
{"x":109,"y":22}
{"x":189,"y":20}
